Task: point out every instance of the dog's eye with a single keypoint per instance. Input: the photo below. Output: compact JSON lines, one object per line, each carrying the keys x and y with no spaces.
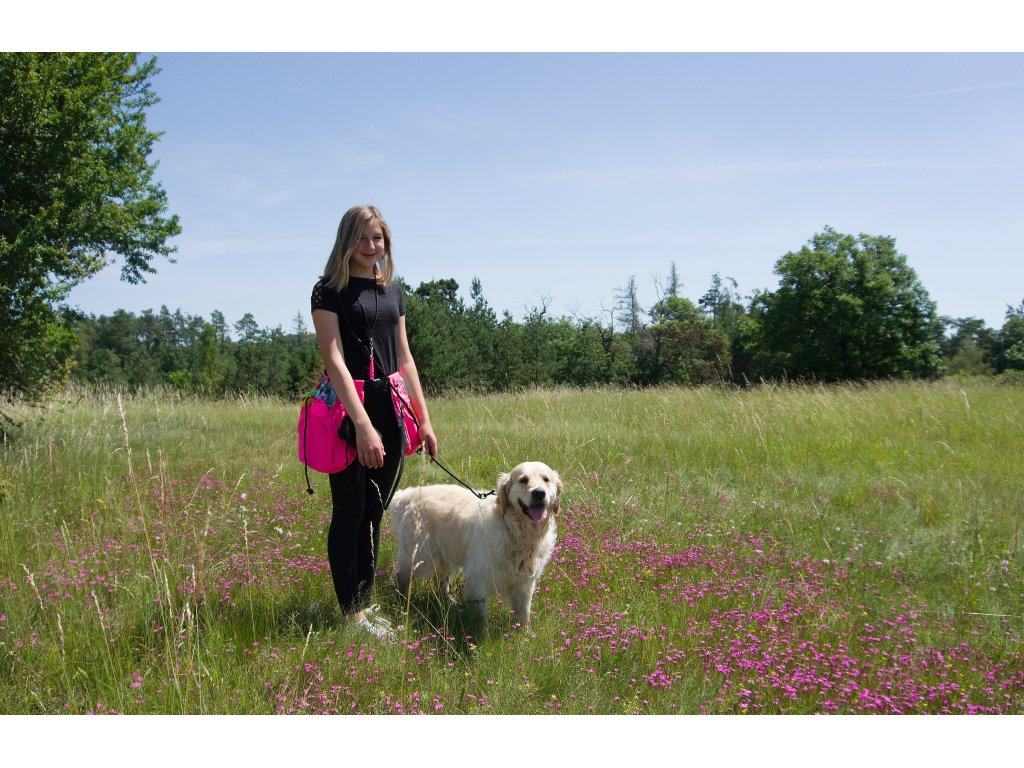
{"x":547,"y":479}
{"x":524,"y":480}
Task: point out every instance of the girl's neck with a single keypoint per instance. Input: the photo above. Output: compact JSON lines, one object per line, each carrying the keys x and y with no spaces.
{"x":368,"y":274}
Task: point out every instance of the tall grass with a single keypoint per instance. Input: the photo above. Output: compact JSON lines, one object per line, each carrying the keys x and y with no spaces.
{"x":779,"y":549}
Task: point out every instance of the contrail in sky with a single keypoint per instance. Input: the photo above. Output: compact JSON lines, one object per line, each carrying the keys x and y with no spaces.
{"x":963,"y":90}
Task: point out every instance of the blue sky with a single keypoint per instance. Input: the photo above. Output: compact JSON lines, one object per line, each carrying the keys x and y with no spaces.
{"x":555,"y":177}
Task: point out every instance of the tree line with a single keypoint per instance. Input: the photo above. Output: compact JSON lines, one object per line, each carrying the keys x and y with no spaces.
{"x":78,"y":190}
{"x":846,"y":309}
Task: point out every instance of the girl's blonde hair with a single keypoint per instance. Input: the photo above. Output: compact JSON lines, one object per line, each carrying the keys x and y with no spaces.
{"x":336,"y":273}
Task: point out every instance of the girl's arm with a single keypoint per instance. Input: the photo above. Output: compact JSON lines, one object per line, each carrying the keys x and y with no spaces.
{"x":369,"y":448}
{"x":407,"y":366}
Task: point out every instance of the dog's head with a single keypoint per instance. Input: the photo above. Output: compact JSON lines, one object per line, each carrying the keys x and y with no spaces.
{"x":532,"y":489}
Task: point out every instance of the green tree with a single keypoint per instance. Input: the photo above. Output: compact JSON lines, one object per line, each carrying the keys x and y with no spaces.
{"x":673,"y":281}
{"x":969,"y":360}
{"x":169,"y":348}
{"x":220,"y":325}
{"x":627,"y":305}
{"x":304,"y":364}
{"x":76,"y":188}
{"x":721,"y":305}
{"x":1011,"y":340}
{"x":264,"y":365}
{"x":969,"y":348}
{"x":729,"y":315}
{"x":482,"y":325}
{"x":207,"y":361}
{"x":688,"y":348}
{"x":441,"y":337}
{"x":247,"y":328}
{"x":587,"y":361}
{"x":848,"y":308}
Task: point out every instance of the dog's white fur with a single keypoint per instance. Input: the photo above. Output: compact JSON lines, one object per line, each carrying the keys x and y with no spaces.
{"x":499,"y":545}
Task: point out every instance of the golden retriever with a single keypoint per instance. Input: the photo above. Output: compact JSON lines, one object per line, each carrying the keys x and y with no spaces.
{"x":501,"y":543}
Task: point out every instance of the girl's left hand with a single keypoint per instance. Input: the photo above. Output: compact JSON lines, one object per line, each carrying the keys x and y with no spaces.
{"x":429,"y":440}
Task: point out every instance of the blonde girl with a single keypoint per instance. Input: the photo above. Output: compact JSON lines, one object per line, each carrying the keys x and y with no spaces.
{"x":359,"y":317}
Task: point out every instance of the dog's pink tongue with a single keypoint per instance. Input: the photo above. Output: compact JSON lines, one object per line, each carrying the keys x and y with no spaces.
{"x":537,"y":513}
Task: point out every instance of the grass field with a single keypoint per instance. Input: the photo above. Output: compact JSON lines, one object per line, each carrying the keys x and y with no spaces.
{"x":795,"y":550}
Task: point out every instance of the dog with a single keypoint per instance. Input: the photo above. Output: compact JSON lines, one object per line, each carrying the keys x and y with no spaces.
{"x":501,"y":543}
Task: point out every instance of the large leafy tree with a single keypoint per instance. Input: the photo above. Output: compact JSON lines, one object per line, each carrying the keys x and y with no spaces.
{"x":77,"y":190}
{"x":848,"y":308}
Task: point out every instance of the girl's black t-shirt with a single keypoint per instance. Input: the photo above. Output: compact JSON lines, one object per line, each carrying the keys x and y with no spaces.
{"x":364,"y":307}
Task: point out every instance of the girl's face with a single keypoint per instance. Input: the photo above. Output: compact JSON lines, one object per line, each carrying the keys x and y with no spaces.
{"x":368,"y":251}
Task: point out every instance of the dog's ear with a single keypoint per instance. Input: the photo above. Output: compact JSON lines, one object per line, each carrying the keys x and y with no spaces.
{"x":502,"y":496}
{"x":558,"y":492}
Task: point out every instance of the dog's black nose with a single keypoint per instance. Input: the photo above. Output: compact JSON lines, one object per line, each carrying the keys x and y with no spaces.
{"x":538,"y":494}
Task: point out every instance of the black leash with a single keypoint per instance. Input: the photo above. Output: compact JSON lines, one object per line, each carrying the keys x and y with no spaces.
{"x":455,"y":477}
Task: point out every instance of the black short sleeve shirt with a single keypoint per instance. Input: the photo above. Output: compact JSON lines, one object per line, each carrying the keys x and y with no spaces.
{"x":365,"y":310}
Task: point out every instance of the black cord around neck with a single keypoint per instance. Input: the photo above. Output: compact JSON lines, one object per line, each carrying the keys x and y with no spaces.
{"x":369,"y":328}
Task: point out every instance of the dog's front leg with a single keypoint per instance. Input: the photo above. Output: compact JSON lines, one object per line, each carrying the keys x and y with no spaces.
{"x":477,"y":608}
{"x":522,"y":598}
{"x":475,"y":594}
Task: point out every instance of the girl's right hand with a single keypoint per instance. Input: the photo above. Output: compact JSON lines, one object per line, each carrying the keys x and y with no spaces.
{"x":369,"y":448}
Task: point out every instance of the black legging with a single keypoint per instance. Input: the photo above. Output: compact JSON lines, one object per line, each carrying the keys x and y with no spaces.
{"x":359,"y":497}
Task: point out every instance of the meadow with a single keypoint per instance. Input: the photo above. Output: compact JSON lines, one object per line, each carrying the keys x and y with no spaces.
{"x":775,"y":550}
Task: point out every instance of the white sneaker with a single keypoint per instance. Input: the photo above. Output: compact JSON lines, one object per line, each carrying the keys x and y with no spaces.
{"x":378,"y":631}
{"x":373,"y":616}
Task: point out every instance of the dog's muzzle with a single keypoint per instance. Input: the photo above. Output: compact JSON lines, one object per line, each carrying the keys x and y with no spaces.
{"x":537,"y":510}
